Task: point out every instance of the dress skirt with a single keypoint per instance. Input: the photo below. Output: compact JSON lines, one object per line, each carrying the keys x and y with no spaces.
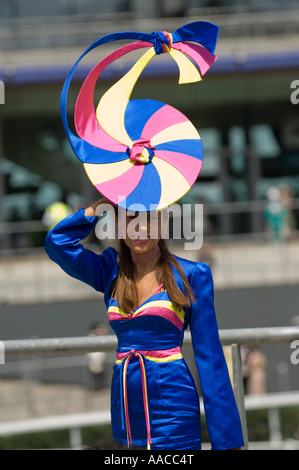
{"x":174,"y":413}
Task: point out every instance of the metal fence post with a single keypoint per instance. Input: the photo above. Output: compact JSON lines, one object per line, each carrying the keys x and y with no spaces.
{"x":75,"y":438}
{"x":274,"y":425}
{"x":239,"y":390}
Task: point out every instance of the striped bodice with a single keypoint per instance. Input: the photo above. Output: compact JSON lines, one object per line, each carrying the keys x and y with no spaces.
{"x":153,"y":332}
{"x":156,"y":324}
{"x":161,"y":308}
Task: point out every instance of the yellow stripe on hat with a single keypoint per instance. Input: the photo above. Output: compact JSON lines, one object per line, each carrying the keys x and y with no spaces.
{"x":188,"y":71}
{"x":100,"y":173}
{"x":182,"y":130}
{"x":170,"y":192}
{"x":112,"y":106}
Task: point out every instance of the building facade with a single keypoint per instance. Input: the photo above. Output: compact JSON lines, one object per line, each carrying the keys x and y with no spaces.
{"x":245,"y":108}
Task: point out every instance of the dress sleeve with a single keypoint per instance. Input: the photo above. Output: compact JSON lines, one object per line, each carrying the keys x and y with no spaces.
{"x":222,"y":416}
{"x":63,"y":246}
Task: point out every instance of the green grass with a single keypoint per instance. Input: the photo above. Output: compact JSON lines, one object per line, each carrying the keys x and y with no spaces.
{"x":55,"y":439}
{"x":257,"y":424}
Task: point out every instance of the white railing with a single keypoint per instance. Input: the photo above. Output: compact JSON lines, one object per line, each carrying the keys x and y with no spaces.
{"x":272,"y":402}
{"x":76,"y":345}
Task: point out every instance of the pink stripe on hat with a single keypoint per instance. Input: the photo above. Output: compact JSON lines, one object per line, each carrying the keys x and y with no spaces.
{"x":87,"y":126}
{"x":156,"y":122}
{"x":188,"y":166}
{"x":125,"y":184}
{"x":199,"y":54}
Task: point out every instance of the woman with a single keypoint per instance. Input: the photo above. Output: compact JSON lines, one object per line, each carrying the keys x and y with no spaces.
{"x":151,"y":298}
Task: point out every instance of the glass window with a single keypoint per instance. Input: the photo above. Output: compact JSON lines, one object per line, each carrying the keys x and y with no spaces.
{"x":237,"y":139}
{"x":16,"y":207}
{"x":18,"y":176}
{"x":27,"y":192}
{"x":237,"y":145}
{"x":211,"y":142}
{"x":48,"y":193}
{"x":263,"y":141}
{"x":203,"y":192}
{"x":240,"y":189}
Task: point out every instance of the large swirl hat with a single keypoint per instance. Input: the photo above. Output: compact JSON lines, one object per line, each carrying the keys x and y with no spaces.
{"x":141,"y":152}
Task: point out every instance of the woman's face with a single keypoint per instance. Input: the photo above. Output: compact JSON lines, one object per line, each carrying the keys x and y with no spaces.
{"x":142,"y":230}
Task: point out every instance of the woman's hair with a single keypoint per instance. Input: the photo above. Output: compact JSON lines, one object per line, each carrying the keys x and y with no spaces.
{"x":127,"y":296}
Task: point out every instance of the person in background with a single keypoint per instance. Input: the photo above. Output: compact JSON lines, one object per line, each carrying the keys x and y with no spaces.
{"x":96,"y":360}
{"x":54,"y":213}
{"x":275,"y":215}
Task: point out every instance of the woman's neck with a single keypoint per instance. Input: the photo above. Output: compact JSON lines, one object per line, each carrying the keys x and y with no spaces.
{"x":145,"y":261}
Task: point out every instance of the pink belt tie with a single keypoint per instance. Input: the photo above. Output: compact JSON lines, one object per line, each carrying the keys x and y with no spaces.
{"x":165,"y":355}
{"x":144,"y":393}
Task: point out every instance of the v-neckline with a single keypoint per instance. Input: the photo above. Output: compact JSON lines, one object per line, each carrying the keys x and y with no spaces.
{"x":144,"y":302}
{"x":150,"y":297}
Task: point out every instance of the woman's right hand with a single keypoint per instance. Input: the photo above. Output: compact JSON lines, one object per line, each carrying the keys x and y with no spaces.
{"x":93,"y":210}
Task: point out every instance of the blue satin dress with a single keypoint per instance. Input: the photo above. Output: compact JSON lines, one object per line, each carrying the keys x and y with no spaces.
{"x":154,"y":402}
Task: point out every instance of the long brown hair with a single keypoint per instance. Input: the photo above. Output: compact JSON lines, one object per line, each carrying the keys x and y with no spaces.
{"x":126,"y":286}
